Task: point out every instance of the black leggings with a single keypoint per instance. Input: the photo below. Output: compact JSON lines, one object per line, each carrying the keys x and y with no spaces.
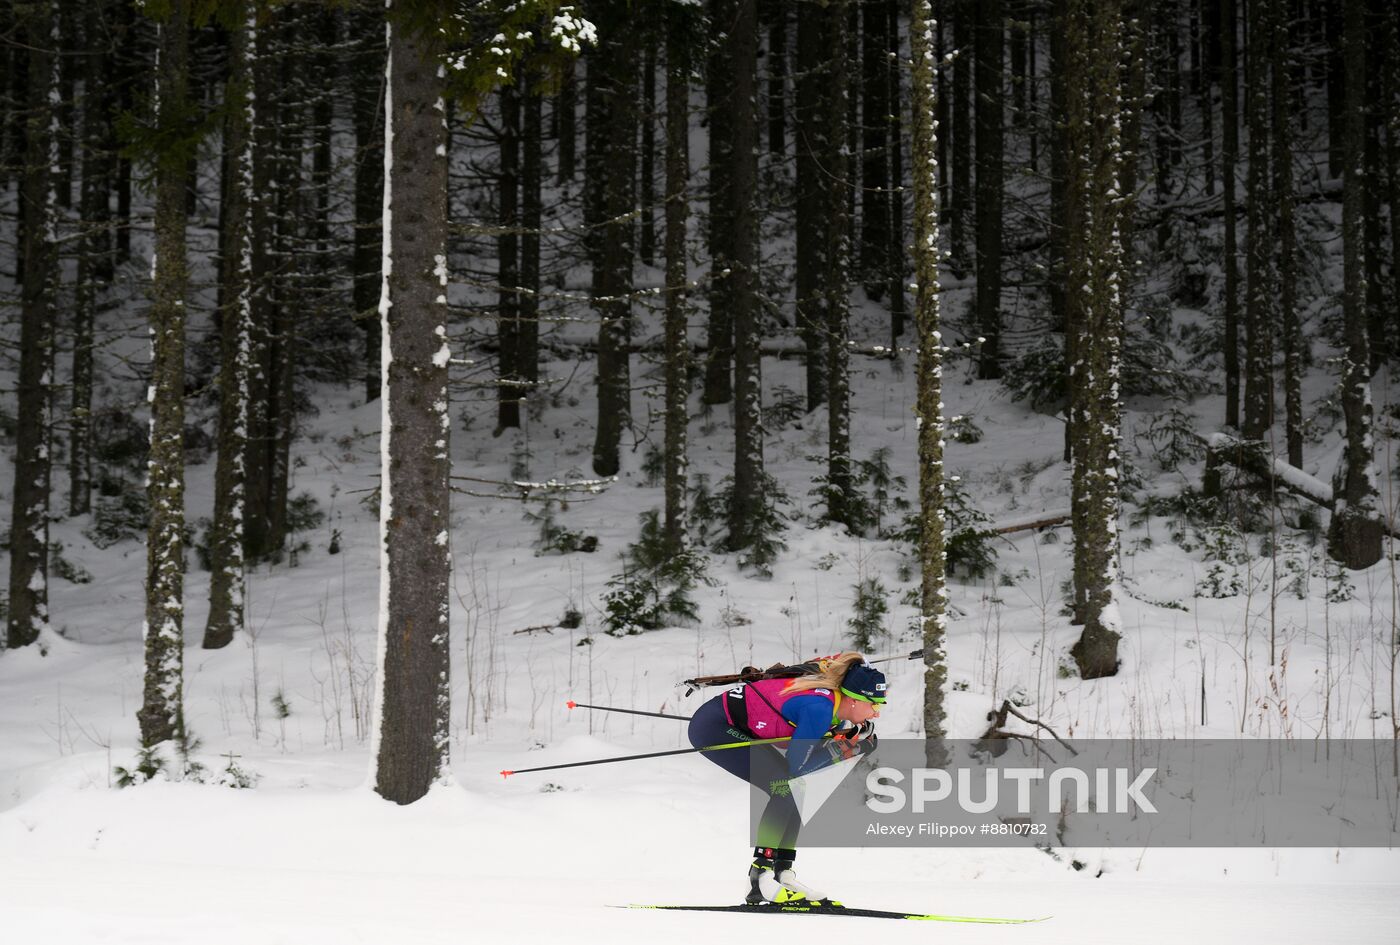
{"x":764,"y":767}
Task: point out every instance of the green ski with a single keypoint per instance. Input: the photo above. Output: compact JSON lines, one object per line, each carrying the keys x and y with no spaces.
{"x":835,"y":908}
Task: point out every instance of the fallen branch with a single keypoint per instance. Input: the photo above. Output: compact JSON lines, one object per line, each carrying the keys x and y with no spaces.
{"x":994,"y":738}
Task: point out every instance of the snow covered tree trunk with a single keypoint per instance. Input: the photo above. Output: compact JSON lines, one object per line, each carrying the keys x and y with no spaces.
{"x":613,"y":73}
{"x":834,"y":166}
{"x":369,"y":184}
{"x":990,"y":169}
{"x":744,"y":218}
{"x":933,"y":558}
{"x":1229,"y":156}
{"x":1093,"y":32}
{"x":875,"y":189}
{"x":1260,"y":280}
{"x":508,"y":388}
{"x":29,"y":528}
{"x":1286,"y":264}
{"x":226,"y":582}
{"x":1354,"y":538}
{"x":162,"y":714}
{"x":411,"y":735}
{"x":679,"y":26}
{"x":811,"y":145}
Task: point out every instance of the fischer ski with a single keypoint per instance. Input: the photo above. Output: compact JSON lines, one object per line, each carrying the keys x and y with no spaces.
{"x":827,"y":907}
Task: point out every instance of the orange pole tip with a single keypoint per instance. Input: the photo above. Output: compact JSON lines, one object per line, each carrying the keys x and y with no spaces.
{"x":506,"y":774}
{"x":572,"y":704}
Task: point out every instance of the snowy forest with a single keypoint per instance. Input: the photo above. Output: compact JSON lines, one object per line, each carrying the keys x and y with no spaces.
{"x":396,"y":393}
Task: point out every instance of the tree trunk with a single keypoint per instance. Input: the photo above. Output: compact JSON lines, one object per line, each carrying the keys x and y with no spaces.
{"x":29,"y":521}
{"x":933,"y":593}
{"x":1260,"y":280}
{"x":895,"y":266}
{"x":564,"y":105}
{"x":990,"y":96}
{"x":369,"y":190}
{"x":508,"y":388}
{"x":812,"y":143}
{"x":679,"y":25}
{"x":527,"y":342}
{"x":838,"y":402}
{"x":960,"y":198}
{"x":615,"y":62}
{"x":744,"y":218}
{"x":411,"y":737}
{"x":1286,"y":263}
{"x":1229,"y":155}
{"x":1354,"y":538}
{"x":226,"y":584}
{"x":1093,"y":47}
{"x":875,"y":182}
{"x":777,"y":13}
{"x":1337,"y":97}
{"x":720,"y":95}
{"x":162,"y":713}
{"x":646,"y":244}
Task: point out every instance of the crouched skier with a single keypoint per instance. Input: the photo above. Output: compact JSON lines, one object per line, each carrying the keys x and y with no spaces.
{"x":841,"y":696}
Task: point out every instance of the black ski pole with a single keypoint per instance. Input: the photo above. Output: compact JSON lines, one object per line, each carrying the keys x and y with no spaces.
{"x":607,"y":708}
{"x":654,"y":754}
{"x":915,"y":655}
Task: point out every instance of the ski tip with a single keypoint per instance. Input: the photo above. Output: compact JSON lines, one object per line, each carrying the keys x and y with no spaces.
{"x":572,"y":704}
{"x":506,"y":774}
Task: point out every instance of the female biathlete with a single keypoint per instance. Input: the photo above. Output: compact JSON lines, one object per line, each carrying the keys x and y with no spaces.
{"x":841,"y":697}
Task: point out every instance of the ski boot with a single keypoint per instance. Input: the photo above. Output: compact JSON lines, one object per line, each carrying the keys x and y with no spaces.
{"x":771,"y":879}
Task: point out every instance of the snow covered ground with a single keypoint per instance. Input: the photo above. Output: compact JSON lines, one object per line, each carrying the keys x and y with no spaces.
{"x":311,"y":855}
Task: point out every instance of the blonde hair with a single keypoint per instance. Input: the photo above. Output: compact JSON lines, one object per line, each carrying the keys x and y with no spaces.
{"x":833,"y":670}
